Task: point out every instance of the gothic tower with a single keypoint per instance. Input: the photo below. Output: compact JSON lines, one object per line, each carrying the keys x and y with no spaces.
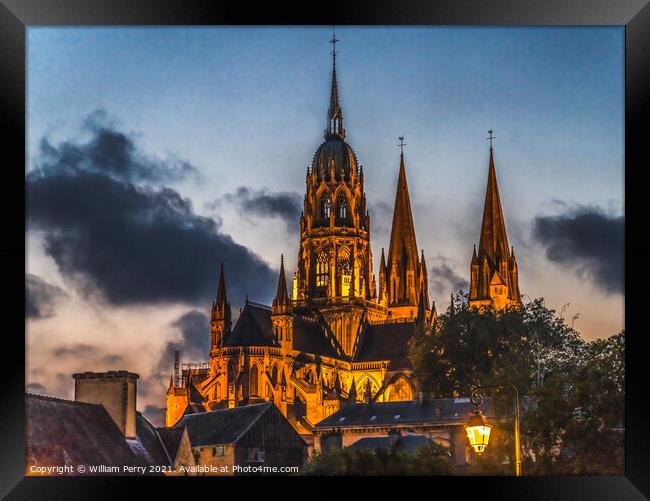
{"x":334,"y":268}
{"x":493,"y":270}
{"x":220,"y":314}
{"x":405,"y":275}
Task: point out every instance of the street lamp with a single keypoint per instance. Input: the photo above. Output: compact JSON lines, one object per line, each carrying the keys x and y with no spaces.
{"x":478,"y":430}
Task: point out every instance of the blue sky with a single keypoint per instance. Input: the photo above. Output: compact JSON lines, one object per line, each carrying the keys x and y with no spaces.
{"x":246,"y":106}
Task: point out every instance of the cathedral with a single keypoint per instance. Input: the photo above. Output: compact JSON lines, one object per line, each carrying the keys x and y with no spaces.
{"x":340,"y":332}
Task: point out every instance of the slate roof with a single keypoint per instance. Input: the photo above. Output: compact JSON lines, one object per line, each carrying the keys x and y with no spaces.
{"x":60,"y":432}
{"x":151,"y":450}
{"x":253,"y":328}
{"x":171,"y":438}
{"x":407,"y":443}
{"x":308,"y":337}
{"x":387,"y":341}
{"x":224,"y":426}
{"x":443,"y":410}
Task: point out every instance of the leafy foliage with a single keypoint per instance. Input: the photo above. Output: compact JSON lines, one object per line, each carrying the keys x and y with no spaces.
{"x":431,"y":459}
{"x":572,"y":422}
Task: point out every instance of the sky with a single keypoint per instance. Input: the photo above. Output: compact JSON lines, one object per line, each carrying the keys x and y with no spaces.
{"x":155,"y":153}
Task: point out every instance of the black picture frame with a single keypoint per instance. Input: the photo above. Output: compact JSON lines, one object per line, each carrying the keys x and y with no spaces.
{"x":17,"y":15}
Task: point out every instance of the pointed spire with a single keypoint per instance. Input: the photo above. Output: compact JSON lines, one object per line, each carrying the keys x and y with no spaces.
{"x":334,"y":113}
{"x":221,"y":288}
{"x":474,"y":256}
{"x":368,"y":395}
{"x":422,"y":309}
{"x":281,"y":303}
{"x":221,"y":305}
{"x":493,"y":254}
{"x":452,"y":306}
{"x":170,"y":388}
{"x":352,"y":394}
{"x":494,"y":240}
{"x":403,"y":249}
{"x":382,"y":263}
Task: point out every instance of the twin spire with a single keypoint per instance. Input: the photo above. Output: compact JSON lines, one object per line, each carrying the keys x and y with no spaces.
{"x":493,"y":269}
{"x":403,"y":268}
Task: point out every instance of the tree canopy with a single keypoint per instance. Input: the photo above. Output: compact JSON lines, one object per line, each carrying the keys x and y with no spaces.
{"x":574,"y":423}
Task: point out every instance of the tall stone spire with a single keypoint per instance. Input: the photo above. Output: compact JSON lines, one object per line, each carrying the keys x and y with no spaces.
{"x":281,"y":317}
{"x":493,"y":271}
{"x":403,"y":263}
{"x":281,"y":303}
{"x":220,"y":314}
{"x":334,"y":113}
{"x":494,"y":240}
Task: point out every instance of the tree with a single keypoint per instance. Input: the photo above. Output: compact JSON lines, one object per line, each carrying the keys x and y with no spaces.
{"x":431,"y":459}
{"x":573,"y":420}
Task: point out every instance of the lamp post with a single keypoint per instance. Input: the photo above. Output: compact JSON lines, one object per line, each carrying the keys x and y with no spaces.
{"x":478,"y":430}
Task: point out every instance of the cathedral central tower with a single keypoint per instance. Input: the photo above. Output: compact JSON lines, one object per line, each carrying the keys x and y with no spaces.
{"x":335,"y":261}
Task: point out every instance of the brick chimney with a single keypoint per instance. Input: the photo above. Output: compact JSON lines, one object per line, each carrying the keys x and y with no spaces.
{"x":115,"y":390}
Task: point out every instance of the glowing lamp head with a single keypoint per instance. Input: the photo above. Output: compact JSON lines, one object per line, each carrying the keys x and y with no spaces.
{"x":478,"y":432}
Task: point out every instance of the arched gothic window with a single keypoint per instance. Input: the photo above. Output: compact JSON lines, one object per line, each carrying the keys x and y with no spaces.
{"x":322,"y":269}
{"x":325,"y":207}
{"x":342,"y":206}
{"x":253,"y":381}
{"x":400,"y":391}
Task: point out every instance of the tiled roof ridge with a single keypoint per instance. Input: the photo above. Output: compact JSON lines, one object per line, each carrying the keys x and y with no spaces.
{"x":226,"y":410}
{"x":61,"y":400}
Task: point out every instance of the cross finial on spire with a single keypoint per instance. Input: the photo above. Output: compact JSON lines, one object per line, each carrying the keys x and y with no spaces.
{"x":401,"y":145}
{"x":490,"y":138}
{"x":333,"y":42}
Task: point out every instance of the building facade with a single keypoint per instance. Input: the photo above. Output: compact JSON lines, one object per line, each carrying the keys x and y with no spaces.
{"x":338,"y":333}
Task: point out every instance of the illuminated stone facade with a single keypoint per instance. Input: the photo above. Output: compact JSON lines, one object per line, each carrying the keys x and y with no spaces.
{"x":338,"y":334}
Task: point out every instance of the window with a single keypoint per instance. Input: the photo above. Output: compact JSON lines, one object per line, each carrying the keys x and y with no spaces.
{"x":325,"y":207}
{"x":342,"y":206}
{"x":322,"y":271}
{"x":197,"y":456}
{"x":256,"y":454}
{"x":400,"y":391}
{"x":253,"y":381}
{"x":218,"y":451}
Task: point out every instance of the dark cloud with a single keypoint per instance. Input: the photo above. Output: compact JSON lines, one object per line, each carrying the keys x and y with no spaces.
{"x":129,"y":243}
{"x":113,"y":360}
{"x":41,"y":297}
{"x":444,"y":278}
{"x":36,"y":388}
{"x":110,"y":152}
{"x":194,"y":344}
{"x":588,"y":240}
{"x":284,"y":205}
{"x":75,"y":350}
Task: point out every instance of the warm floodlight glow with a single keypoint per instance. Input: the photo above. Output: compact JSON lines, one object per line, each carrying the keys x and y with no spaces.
{"x":478,"y":432}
